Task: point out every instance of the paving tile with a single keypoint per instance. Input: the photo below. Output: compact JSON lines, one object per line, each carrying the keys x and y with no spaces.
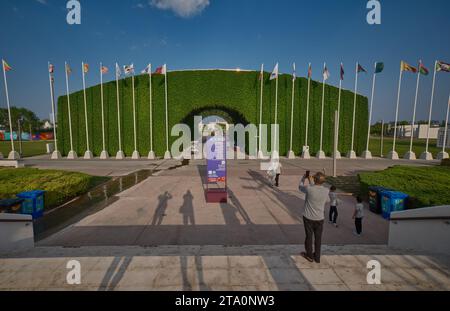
{"x":320,"y":276}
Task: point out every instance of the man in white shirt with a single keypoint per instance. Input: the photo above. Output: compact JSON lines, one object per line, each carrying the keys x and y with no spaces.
{"x":314,"y":215}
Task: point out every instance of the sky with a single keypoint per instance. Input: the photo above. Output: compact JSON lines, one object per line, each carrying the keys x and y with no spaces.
{"x":194,"y":34}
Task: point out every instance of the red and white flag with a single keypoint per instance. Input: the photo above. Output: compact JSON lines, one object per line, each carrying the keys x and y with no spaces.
{"x":161,"y":70}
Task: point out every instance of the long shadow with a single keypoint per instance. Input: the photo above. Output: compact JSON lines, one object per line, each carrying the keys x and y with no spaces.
{"x":286,"y":274}
{"x":292,"y":204}
{"x":187,"y":209}
{"x":160,"y":211}
{"x":113,"y":277}
{"x":231,"y":209}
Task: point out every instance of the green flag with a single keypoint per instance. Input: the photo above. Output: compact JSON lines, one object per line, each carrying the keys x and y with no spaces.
{"x":379,"y":67}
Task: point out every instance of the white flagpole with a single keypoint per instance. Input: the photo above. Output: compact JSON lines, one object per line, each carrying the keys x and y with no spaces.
{"x":72,"y":154}
{"x":321,"y":153}
{"x":393,"y":155}
{"x":412,"y":155}
{"x":427,"y":155}
{"x":151,"y":154}
{"x":135,"y":155}
{"x":352,"y":154}
{"x":338,"y":154}
{"x":305,"y":153}
{"x":120,"y":155}
{"x":104,"y":155}
{"x":56,"y":154}
{"x":444,"y":155}
{"x":13,"y":155}
{"x":167,"y":154}
{"x":275,"y":153}
{"x":368,"y":154}
{"x":260,"y":154}
{"x":88,"y":153}
{"x":291,"y":154}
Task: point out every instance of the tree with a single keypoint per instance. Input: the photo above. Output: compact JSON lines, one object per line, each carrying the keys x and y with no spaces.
{"x":29,"y":118}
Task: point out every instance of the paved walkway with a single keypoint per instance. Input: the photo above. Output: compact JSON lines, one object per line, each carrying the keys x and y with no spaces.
{"x":222,"y":268}
{"x":170,"y":209}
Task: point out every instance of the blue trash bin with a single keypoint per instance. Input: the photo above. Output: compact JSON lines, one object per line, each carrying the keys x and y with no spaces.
{"x":392,"y":201}
{"x":33,"y":203}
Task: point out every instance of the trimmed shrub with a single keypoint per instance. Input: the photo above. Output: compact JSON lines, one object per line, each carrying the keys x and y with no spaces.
{"x":202,"y":91}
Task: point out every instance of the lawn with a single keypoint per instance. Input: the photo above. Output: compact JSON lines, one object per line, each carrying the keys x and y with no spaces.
{"x":402,"y":146}
{"x":60,"y":186}
{"x":29,"y":148}
{"x":427,"y":186}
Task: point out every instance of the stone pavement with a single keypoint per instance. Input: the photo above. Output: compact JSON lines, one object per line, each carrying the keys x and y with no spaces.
{"x":169,"y":208}
{"x":246,"y":268}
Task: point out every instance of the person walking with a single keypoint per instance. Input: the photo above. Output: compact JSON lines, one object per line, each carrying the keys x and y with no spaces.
{"x":314,"y":215}
{"x":334,"y":202}
{"x":358,"y":215}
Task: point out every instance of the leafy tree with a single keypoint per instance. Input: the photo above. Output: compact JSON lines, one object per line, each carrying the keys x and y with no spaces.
{"x":29,"y":118}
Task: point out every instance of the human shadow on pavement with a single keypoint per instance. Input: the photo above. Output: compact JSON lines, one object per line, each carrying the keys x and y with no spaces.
{"x":160,"y":211}
{"x":232,"y":208}
{"x":112,"y":277}
{"x":187,"y":209}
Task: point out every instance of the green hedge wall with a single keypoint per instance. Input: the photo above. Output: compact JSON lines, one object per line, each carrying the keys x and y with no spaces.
{"x":189,"y":90}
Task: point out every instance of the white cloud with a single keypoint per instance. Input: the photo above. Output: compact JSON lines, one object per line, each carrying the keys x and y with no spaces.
{"x":182,"y":8}
{"x":42,"y":2}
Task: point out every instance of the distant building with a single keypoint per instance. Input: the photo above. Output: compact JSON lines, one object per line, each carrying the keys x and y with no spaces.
{"x":420,"y":131}
{"x":47,"y":125}
{"x":440,"y":141}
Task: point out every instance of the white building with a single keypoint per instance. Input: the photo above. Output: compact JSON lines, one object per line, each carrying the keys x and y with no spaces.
{"x":420,"y":131}
{"x":440,"y":140}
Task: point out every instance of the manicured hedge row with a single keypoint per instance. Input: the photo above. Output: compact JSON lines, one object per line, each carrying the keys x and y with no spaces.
{"x":200,"y":90}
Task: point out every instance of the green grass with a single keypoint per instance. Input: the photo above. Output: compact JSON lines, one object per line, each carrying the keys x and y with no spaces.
{"x":236,"y":93}
{"x":30,"y":148}
{"x":402,"y":146}
{"x":427,"y":186}
{"x":60,"y":186}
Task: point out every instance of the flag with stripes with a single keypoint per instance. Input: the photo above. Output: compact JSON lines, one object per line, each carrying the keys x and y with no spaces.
{"x":104,"y":70}
{"x":441,"y":66}
{"x":6,"y":67}
{"x":51,"y":68}
{"x":274,"y":74}
{"x":161,"y":70}
{"x":423,"y":70}
{"x":147,"y":70}
{"x":309,"y":71}
{"x":407,"y":67}
{"x":85,"y":68}
{"x":128,"y":69}
{"x":326,"y":74}
{"x":361,"y":69}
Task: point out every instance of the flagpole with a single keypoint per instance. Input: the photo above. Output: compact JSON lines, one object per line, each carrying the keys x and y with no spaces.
{"x":167,"y":154}
{"x":337,"y":154}
{"x":13,"y":155}
{"x":104,"y":154}
{"x":72,"y":154}
{"x":291,"y":154}
{"x":444,"y":155}
{"x":305,"y":153}
{"x":352,"y":154}
{"x":135,"y":155}
{"x":393,"y":155}
{"x":275,"y":153}
{"x":88,"y":154}
{"x":260,"y":153}
{"x":427,"y":155}
{"x":412,"y":155}
{"x":151,"y":154}
{"x":368,"y":154}
{"x":320,"y":153}
{"x":120,"y":154}
{"x":56,"y":154}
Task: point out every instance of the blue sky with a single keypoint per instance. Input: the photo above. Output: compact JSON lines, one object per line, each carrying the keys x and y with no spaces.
{"x":228,"y":34}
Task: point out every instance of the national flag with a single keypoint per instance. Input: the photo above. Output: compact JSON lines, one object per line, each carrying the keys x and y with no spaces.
{"x":261,"y":74}
{"x":326,"y":74}
{"x":407,"y":67}
{"x":274,"y":74}
{"x":147,"y":70}
{"x":128,"y":69}
{"x":118,"y":71}
{"x":85,"y":68}
{"x":423,"y":70}
{"x":161,"y":70}
{"x":379,"y":67}
{"x":441,"y":66}
{"x":342,"y":72}
{"x":104,"y":70}
{"x":68,"y":69}
{"x":309,"y":71}
{"x":6,"y":67}
{"x":361,"y":69}
{"x":294,"y":74}
{"x":51,"y":68}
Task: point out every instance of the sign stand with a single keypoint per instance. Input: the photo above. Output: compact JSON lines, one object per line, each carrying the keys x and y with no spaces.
{"x":217,"y":170}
